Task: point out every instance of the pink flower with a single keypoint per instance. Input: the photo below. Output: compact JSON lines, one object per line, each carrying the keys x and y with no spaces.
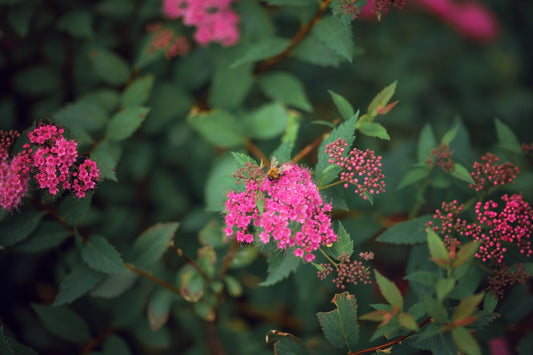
{"x":288,"y":210}
{"x":14,"y":173}
{"x":487,"y":173}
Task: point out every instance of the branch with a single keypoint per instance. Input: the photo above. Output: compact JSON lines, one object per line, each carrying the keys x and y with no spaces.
{"x":153,"y":278}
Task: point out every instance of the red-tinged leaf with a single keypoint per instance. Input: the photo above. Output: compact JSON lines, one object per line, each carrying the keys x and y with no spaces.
{"x":340,"y":325}
{"x":158,"y":309}
{"x":375,"y":316}
{"x":407,"y":321}
{"x":382,"y":99}
{"x":386,"y":109}
{"x":438,"y":251}
{"x":467,"y":306}
{"x":389,"y":291}
{"x":191,"y":283}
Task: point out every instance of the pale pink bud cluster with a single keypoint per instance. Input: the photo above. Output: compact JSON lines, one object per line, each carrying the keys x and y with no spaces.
{"x":488,"y":173}
{"x":441,"y":156}
{"x":14,"y":172}
{"x":348,"y":272}
{"x":362,"y":169}
{"x":451,"y":226}
{"x":215,"y":21}
{"x":287,"y":209}
{"x":165,"y":39}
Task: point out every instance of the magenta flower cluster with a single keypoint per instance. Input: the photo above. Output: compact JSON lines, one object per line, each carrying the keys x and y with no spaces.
{"x":215,"y":21}
{"x":52,"y":160}
{"x":287,"y":209}
{"x":166,"y":40}
{"x":488,"y":173}
{"x":362,"y":169}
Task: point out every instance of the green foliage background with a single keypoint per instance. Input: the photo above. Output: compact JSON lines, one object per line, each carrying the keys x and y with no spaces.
{"x":84,"y":64}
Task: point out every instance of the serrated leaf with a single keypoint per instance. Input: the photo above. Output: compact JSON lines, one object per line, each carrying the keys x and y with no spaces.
{"x":407,"y":232}
{"x":106,"y":154}
{"x":286,"y":88}
{"x":48,"y":234}
{"x":381,"y":99}
{"x":345,"y":108}
{"x":340,"y":326}
{"x":506,"y":138}
{"x":152,"y":244}
{"x":412,"y":176}
{"x":374,"y":129}
{"x":18,"y":227}
{"x":465,"y":341}
{"x":286,"y":343}
{"x":262,"y":49}
{"x":389,"y":291}
{"x":138,"y":91}
{"x":407,"y":321}
{"x":267,"y":122}
{"x":313,"y":50}
{"x":280,"y":266}
{"x":99,"y":254}
{"x":467,"y":306}
{"x":426,"y":143}
{"x":77,"y":283}
{"x":461,"y":173}
{"x":124,"y":123}
{"x":434,"y":309}
{"x":241,"y":159}
{"x":336,"y":36}
{"x":344,"y":243}
{"x":438,"y":251}
{"x":111,"y":68}
{"x":230,"y":86}
{"x":443,"y":288}
{"x":81,"y":116}
{"x":218,"y":127}
{"x":63,"y":323}
{"x":426,"y":278}
{"x":114,"y":285}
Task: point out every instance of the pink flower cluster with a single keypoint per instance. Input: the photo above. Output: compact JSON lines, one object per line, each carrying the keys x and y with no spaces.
{"x":362,"y":169}
{"x":52,"y":157}
{"x":512,"y":226}
{"x":470,"y":18}
{"x":488,"y":173}
{"x":165,"y":39}
{"x":287,"y":209}
{"x":441,"y":156}
{"x":214,"y":19}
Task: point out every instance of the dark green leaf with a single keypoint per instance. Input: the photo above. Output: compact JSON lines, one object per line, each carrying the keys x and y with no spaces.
{"x":461,"y":173}
{"x":241,"y":159}
{"x":286,"y":343}
{"x":138,"y":91}
{"x":114,"y":285}
{"x":37,"y":80}
{"x":99,"y":254}
{"x":525,"y":345}
{"x":19,"y":18}
{"x":412,"y":176}
{"x":230,"y":86}
{"x":426,"y":143}
{"x":152,"y":244}
{"x":81,"y":116}
{"x":389,"y":291}
{"x":63,"y":323}
{"x":490,"y":302}
{"x":233,"y":286}
{"x":219,"y":182}
{"x":5,"y":346}
{"x":267,"y":122}
{"x":336,"y":36}
{"x":286,"y":88}
{"x":407,"y":232}
{"x":218,"y":127}
{"x":18,"y":227}
{"x":313,"y":50}
{"x":465,"y":341}
{"x":77,"y":23}
{"x":426,"y":278}
{"x":374,"y":129}
{"x":48,"y":235}
{"x":77,"y":283}
{"x":291,"y":2}
{"x":123,"y":124}
{"x":280,"y":266}
{"x":115,"y":345}
{"x":443,"y":288}
{"x":434,"y":309}
{"x":506,"y":138}
{"x":158,"y":309}
{"x":340,"y":325}
{"x":345,"y":108}
{"x":74,"y":209}
{"x":262,"y":49}
{"x":110,"y":67}
{"x":106,"y":154}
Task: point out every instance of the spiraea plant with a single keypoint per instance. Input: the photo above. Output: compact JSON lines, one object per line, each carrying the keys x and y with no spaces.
{"x":333,"y":176}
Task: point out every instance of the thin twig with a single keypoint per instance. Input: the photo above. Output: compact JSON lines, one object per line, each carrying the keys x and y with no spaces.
{"x":153,"y":278}
{"x":252,"y":148}
{"x":190,"y":261}
{"x":309,"y":148}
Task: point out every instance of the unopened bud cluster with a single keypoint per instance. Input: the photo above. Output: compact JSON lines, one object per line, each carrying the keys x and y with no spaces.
{"x":488,"y":173}
{"x":347,"y":271}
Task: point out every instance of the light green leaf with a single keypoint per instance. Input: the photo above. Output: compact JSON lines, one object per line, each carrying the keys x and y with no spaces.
{"x":461,"y":173}
{"x":467,"y":306}
{"x":407,"y":232}
{"x":111,"y":68}
{"x":426,"y":278}
{"x":426,"y":143}
{"x":465,"y":341}
{"x":262,"y":49}
{"x":124,"y":123}
{"x":218,"y":127}
{"x":438,"y":251}
{"x":340,"y":325}
{"x":450,"y":135}
{"x":77,"y":283}
{"x":286,"y":88}
{"x":99,"y":254}
{"x":444,"y":287}
{"x":466,"y":253}
{"x":242,"y":159}
{"x":18,"y":227}
{"x":280,"y":266}
{"x":152,"y":244}
{"x":389,"y":291}
{"x":138,"y":91}
{"x":412,"y":176}
{"x":267,"y":122}
{"x":345,"y":108}
{"x":407,"y":321}
{"x":336,"y":36}
{"x":374,"y":129}
{"x":506,"y":138}
{"x":63,"y":323}
{"x":381,"y":99}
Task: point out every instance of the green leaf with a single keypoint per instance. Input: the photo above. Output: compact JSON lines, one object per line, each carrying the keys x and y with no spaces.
{"x":191,"y":283}
{"x":233,"y":286}
{"x":345,"y":108}
{"x":374,"y":129}
{"x":434,"y":309}
{"x":280,"y":266}
{"x":267,"y":122}
{"x":286,"y":88}
{"x":218,"y":127}
{"x":344,"y":243}
{"x":99,"y":254}
{"x":244,"y":257}
{"x":444,"y":287}
{"x":381,"y":99}
{"x":490,"y":302}
{"x":138,"y":91}
{"x":286,"y":343}
{"x":340,"y":325}
{"x":438,"y":251}
{"x":18,"y":227}
{"x":412,"y":176}
{"x":407,"y":232}
{"x":158,"y":309}
{"x":219,"y":182}
{"x":124,"y":123}
{"x":115,"y":345}
{"x":506,"y":138}
{"x":230,"y":86}
{"x":77,"y":283}
{"x":63,"y":323}
{"x":426,"y":143}
{"x":389,"y":291}
{"x":407,"y":321}
{"x":111,"y":68}
{"x":426,"y":278}
{"x":313,"y":50}
{"x":465,"y":253}
{"x":336,"y":36}
{"x":465,"y":341}
{"x":262,"y":49}
{"x":450,"y":135}
{"x":81,"y":116}
{"x":467,"y":306}
{"x":114,"y":285}
{"x":5,"y":346}
{"x":152,"y":244}
{"x":74,"y":209}
{"x":77,"y":23}
{"x":461,"y":173}
{"x":242,"y":159}
{"x":48,"y":234}
{"x":106,"y":154}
